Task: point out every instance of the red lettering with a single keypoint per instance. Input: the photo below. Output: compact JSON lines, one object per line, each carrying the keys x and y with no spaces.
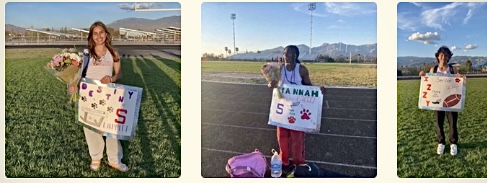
{"x":427,"y":103}
{"x":424,"y":94}
{"x":99,"y":89}
{"x":429,"y":87}
{"x":425,"y":78}
{"x":120,"y":116}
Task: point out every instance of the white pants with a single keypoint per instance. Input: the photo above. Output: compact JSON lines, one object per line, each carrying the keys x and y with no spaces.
{"x":96,"y":145}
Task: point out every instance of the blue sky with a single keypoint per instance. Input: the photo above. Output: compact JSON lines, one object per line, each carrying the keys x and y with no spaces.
{"x":79,"y":14}
{"x":260,"y":26}
{"x":423,"y":27}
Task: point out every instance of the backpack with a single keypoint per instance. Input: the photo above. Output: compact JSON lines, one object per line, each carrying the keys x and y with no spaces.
{"x":250,"y":165}
{"x":307,"y":170}
{"x":86,"y":61}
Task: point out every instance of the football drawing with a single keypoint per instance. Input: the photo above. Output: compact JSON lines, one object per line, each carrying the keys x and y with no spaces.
{"x":452,"y":100}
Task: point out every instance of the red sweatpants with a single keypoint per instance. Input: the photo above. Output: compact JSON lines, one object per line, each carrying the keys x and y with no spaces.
{"x":293,"y":139}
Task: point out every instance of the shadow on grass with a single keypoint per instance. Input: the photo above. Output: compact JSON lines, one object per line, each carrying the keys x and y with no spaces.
{"x":159,"y":87}
{"x":165,"y":112}
{"x":166,"y":52}
{"x":147,"y":155}
{"x":472,"y":145}
{"x":176,"y":66}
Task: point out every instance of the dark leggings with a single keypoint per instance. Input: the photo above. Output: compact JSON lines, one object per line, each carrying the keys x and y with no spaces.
{"x":452,"y":120}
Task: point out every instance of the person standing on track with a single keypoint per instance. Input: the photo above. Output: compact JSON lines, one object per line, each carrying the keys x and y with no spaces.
{"x":443,"y":56}
{"x":292,"y":73}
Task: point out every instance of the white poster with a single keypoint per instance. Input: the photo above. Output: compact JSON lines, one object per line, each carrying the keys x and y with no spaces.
{"x":443,"y":93}
{"x":299,"y":109}
{"x":110,"y":109}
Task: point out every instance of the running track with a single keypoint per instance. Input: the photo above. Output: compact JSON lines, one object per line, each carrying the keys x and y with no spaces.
{"x":234,"y":121}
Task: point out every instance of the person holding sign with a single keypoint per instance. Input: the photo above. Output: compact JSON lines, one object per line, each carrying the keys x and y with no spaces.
{"x":104,"y":61}
{"x":443,"y":56}
{"x":292,"y":73}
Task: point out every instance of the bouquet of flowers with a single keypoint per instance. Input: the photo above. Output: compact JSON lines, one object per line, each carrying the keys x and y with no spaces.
{"x":66,"y":66}
{"x":272,"y":72}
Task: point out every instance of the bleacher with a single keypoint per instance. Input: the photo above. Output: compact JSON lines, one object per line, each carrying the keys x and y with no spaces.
{"x":269,"y":56}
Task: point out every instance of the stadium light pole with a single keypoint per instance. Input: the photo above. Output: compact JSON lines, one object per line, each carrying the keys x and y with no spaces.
{"x":233,"y":17}
{"x":311,"y":8}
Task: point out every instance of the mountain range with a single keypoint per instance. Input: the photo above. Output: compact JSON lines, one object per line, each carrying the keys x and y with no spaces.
{"x":130,"y":23}
{"x":332,"y":50}
{"x":411,"y":61}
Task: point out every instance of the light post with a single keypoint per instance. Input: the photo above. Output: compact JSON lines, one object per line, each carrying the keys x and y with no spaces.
{"x":311,"y":8}
{"x":233,"y":17}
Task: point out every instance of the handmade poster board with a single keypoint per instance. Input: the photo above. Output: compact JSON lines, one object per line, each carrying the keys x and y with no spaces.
{"x":300,"y":108}
{"x":110,"y":109}
{"x":442,"y":92}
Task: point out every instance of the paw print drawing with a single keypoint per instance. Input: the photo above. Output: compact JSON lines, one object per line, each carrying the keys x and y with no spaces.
{"x":305,"y":114}
{"x":102,"y":102}
{"x":83,"y":98}
{"x":291,"y":119}
{"x":94,"y":106}
{"x":110,"y":109}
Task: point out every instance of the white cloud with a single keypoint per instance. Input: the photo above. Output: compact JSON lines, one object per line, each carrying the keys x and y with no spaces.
{"x":350,"y":9}
{"x":427,"y":38}
{"x":333,"y":27}
{"x":472,"y":8}
{"x":342,"y":9}
{"x":453,"y":48}
{"x":339,"y":26}
{"x":470,"y":47}
{"x":436,"y":17}
{"x":407,"y":23}
{"x":416,"y":4}
{"x":126,"y":6}
{"x":439,"y":17}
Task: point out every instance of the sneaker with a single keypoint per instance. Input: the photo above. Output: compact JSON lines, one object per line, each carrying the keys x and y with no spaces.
{"x":286,"y":169}
{"x":453,"y":149}
{"x":440,"y":149}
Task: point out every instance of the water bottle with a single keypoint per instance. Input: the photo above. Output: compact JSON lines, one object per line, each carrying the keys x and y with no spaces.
{"x":276,"y":165}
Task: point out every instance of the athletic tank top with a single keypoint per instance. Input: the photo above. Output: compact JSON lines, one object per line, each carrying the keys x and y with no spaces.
{"x":449,"y":70}
{"x":291,"y":77}
{"x":98,"y":69}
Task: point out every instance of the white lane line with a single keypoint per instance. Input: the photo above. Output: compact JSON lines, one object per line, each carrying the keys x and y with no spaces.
{"x":273,"y":129}
{"x":261,"y":113}
{"x":313,"y":161}
{"x":342,"y":87}
{"x":260,"y":103}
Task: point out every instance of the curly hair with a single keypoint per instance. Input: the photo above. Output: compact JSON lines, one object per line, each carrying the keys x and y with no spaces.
{"x":445,"y":50}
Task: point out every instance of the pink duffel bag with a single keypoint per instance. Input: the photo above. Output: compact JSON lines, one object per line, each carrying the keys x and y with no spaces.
{"x":250,"y":165}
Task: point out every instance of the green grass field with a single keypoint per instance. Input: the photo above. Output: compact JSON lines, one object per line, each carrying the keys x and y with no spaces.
{"x":416,"y":137}
{"x":43,"y":139}
{"x":330,"y":74}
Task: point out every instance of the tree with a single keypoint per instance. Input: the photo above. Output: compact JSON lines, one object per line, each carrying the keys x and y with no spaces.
{"x":469,"y":65}
{"x":226,"y":50}
{"x":236,"y":50}
{"x":48,"y":29}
